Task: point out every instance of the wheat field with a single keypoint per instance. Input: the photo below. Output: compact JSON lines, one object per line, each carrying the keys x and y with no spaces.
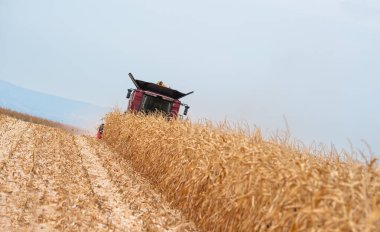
{"x":228,"y":179}
{"x":37,"y":120}
{"x":52,"y":180}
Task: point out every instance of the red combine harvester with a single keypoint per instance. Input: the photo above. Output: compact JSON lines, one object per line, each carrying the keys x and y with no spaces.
{"x":149,"y":97}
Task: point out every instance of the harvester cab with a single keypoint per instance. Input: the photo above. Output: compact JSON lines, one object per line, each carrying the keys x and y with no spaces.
{"x":149,"y":98}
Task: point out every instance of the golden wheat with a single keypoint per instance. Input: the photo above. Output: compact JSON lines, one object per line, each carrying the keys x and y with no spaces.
{"x":37,"y":120}
{"x":230,"y":180}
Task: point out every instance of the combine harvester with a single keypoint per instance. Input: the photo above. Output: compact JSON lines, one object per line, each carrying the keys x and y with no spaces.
{"x":152,"y":98}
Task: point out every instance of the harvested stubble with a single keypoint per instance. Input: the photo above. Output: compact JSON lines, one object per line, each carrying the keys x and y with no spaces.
{"x":41,"y":121}
{"x":51,"y":180}
{"x":228,"y":180}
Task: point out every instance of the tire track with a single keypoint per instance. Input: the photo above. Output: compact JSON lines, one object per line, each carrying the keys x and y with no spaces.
{"x":44,"y":208}
{"x":119,"y":214}
{"x":11,"y":131}
{"x":147,"y":204}
{"x":15,"y":193}
{"x":43,"y":187}
{"x":79,"y":209}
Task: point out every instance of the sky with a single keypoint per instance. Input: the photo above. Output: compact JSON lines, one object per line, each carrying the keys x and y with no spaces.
{"x":315,"y":63}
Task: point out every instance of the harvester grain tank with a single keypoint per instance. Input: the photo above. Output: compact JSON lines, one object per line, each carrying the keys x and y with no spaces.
{"x":149,"y":97}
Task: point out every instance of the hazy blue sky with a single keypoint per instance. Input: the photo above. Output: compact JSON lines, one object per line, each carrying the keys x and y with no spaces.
{"x":316,"y":62}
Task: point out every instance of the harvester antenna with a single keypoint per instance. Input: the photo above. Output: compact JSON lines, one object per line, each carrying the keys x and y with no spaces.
{"x":133,"y":80}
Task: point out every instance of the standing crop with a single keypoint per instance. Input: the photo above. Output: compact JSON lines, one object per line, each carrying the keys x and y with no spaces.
{"x":228,"y":180}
